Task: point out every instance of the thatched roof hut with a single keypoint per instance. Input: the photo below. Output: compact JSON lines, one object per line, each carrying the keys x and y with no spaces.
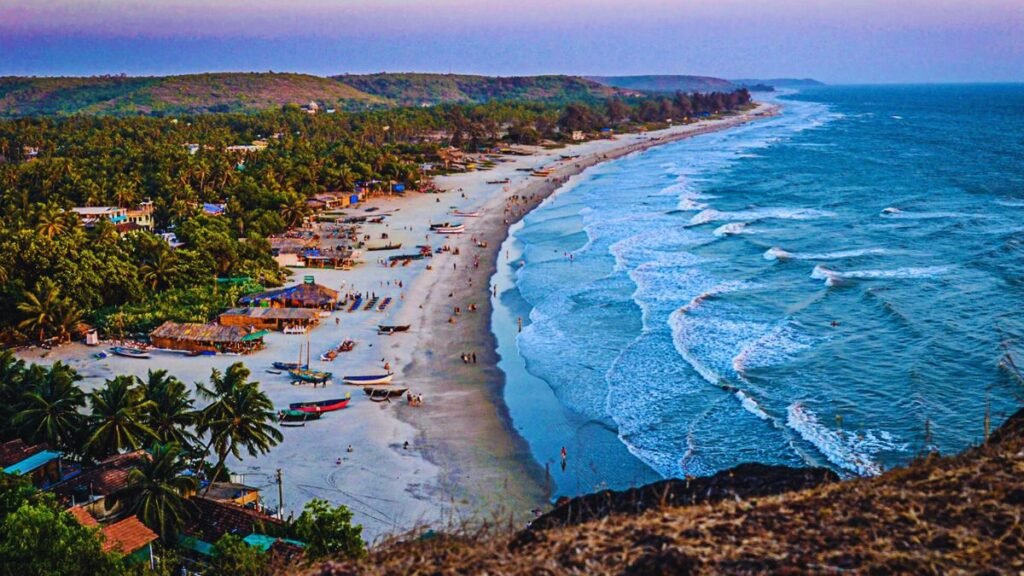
{"x":305,"y":295}
{"x":206,"y":338}
{"x":269,"y":318}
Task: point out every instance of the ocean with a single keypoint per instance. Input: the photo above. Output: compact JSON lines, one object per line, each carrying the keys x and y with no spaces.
{"x":836,"y":286}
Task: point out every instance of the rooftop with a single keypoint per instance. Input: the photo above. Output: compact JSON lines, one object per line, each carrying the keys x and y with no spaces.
{"x":127,"y":536}
{"x":33,"y":462}
{"x":273,"y":313}
{"x":214,"y":333}
{"x":17,"y":450}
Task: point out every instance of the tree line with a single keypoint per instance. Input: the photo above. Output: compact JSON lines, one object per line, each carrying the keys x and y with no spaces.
{"x":55,"y":274}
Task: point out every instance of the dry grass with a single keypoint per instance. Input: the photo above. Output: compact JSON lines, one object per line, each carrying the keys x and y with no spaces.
{"x":960,"y":514}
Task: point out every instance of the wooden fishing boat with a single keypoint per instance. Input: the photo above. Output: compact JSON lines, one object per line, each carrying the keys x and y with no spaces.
{"x":462,"y":214}
{"x":388,"y":391}
{"x":368,"y":379}
{"x":419,"y":256}
{"x":384,"y":305}
{"x":129,"y":352}
{"x":458,"y":229}
{"x":384,"y":247}
{"x":313,"y":376}
{"x":436,"y":226}
{"x":297,"y":416}
{"x":347,"y":345}
{"x":289,"y":366}
{"x":275,"y":372}
{"x":322,"y":406}
{"x":505,"y":181}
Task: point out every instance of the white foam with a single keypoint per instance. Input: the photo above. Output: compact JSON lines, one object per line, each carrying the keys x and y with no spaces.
{"x":730,"y":229}
{"x":712,"y":215}
{"x":777,"y":345}
{"x":850,"y":451}
{"x":751,"y":405}
{"x":776,"y":253}
{"x":896,"y":213}
{"x":834,"y":277}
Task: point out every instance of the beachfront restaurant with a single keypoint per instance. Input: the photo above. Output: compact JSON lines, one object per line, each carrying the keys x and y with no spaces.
{"x":209,"y":338}
{"x":306,"y":295}
{"x":268,"y":318}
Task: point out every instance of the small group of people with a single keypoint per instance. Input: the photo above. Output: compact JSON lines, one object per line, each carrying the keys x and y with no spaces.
{"x":469,"y":357}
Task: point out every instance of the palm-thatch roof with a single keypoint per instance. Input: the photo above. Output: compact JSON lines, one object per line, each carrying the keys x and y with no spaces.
{"x":305,"y":295}
{"x":206,"y":333}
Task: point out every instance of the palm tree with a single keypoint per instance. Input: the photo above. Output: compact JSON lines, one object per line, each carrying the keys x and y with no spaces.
{"x":238,"y":416}
{"x":42,"y":307}
{"x":12,"y":372}
{"x":118,"y":410}
{"x":68,"y":318}
{"x":171,"y":415}
{"x":104,"y":233}
{"x":294,"y":212}
{"x":161,"y":271}
{"x":158,"y":489}
{"x":52,"y":221}
{"x":49,"y":411}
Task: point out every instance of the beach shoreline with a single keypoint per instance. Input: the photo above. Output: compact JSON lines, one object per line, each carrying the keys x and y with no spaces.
{"x":509,"y":474}
{"x":458,"y":457}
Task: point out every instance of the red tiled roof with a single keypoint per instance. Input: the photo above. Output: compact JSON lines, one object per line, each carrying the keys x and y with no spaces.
{"x":215,"y":519}
{"x":127,"y":536}
{"x":83,"y":516}
{"x":17,"y":450}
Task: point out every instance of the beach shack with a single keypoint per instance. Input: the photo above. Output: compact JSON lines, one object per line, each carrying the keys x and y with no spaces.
{"x":200,"y":338}
{"x":309,"y":294}
{"x":269,"y":318}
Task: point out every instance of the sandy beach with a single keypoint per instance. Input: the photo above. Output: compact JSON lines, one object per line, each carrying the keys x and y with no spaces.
{"x":464,"y":460}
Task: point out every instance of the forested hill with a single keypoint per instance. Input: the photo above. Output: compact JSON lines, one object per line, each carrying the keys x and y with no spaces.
{"x":193,"y":93}
{"x":667,"y":83}
{"x":412,"y":89}
{"x":247,"y":92}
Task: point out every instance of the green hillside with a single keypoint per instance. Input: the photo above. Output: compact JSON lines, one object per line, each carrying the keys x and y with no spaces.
{"x":414,"y":89}
{"x":193,"y":93}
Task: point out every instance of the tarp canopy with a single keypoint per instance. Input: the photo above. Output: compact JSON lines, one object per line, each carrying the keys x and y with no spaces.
{"x":31,"y":463}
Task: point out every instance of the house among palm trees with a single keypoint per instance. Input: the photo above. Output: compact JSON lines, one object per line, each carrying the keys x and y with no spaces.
{"x":140,"y":217}
{"x":96,"y":488}
{"x":213,"y":519}
{"x":128,"y":537}
{"x":45,"y":467}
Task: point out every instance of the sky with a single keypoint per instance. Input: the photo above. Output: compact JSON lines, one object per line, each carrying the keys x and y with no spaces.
{"x":837,"y":41}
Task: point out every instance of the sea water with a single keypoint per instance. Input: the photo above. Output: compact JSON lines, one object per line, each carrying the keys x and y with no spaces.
{"x":836,"y":286}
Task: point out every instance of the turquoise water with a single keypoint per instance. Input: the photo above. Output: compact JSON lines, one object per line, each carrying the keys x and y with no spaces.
{"x":834,"y":286}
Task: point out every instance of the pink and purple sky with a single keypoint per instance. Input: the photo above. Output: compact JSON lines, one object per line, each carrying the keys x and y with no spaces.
{"x":840,"y":41}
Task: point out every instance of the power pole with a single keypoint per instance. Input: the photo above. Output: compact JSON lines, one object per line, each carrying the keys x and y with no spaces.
{"x":280,"y":494}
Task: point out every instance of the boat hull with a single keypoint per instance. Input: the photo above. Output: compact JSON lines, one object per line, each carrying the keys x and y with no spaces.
{"x":368,"y":380}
